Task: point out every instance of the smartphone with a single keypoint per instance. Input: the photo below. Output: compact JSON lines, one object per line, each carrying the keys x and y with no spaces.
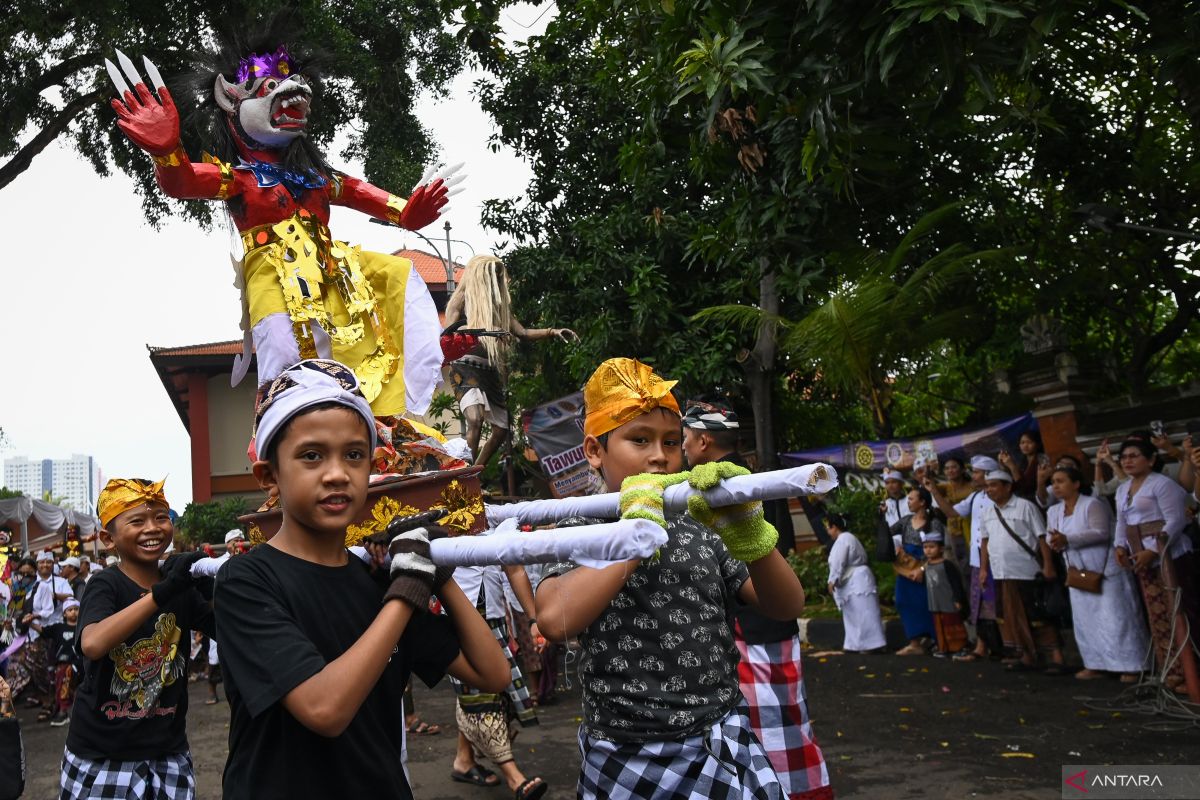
{"x":1193,"y":430}
{"x":1043,"y":459}
{"x":1156,"y":427}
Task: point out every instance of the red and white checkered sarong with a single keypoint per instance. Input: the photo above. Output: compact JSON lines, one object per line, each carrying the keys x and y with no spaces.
{"x":772,"y":681}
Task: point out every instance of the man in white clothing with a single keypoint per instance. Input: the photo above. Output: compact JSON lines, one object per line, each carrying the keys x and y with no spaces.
{"x":1014,"y":551}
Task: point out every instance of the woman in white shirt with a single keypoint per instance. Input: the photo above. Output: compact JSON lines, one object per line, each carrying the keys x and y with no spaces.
{"x":1151,"y":511}
{"x":852,"y":585}
{"x":1110,"y":628}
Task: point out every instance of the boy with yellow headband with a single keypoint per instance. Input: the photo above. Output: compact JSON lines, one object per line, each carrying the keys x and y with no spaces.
{"x":127,"y":737}
{"x":663,"y":715}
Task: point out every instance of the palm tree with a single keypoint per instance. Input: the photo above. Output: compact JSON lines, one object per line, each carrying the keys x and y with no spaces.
{"x":882,"y":314}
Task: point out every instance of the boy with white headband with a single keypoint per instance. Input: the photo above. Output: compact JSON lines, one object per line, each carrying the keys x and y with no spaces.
{"x":315,"y":650}
{"x":663,"y":715}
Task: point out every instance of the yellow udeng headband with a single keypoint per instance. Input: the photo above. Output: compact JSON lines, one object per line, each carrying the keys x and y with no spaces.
{"x":620,"y":390}
{"x":122,"y":494}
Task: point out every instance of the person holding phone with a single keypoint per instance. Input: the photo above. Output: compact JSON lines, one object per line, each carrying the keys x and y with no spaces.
{"x":1151,"y":516}
{"x":1024,"y":468}
{"x":1105,"y":486}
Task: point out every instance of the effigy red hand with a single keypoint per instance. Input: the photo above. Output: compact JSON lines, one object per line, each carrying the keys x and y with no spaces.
{"x":431,"y":197}
{"x":152,"y":123}
{"x":424,"y":206}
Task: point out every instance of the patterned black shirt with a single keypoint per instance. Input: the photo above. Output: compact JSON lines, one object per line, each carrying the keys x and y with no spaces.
{"x":660,"y":662}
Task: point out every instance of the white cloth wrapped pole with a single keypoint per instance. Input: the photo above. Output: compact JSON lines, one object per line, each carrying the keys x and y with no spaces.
{"x":590,"y":545}
{"x":775,"y":485}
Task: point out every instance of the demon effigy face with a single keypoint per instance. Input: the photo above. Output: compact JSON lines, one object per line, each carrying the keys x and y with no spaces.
{"x":268,"y":104}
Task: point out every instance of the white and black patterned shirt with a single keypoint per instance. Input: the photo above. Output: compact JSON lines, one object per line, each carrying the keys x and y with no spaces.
{"x":660,"y":662}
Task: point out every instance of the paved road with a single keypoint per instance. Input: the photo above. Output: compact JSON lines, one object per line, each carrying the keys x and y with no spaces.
{"x":890,"y":726}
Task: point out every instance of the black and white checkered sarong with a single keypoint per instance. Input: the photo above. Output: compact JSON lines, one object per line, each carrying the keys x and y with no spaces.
{"x":167,"y":778}
{"x":726,"y":762}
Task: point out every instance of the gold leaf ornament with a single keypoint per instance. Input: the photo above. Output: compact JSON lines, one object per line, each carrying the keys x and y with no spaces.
{"x":385,"y":510}
{"x":462,"y":507}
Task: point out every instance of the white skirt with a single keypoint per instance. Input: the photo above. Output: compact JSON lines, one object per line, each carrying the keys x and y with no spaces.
{"x":1110,"y":627}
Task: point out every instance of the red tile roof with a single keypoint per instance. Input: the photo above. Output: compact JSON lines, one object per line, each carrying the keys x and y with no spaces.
{"x":431,"y":268}
{"x":230,"y":348}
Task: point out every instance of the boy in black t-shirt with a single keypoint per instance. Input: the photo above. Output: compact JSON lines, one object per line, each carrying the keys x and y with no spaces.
{"x":64,"y":660}
{"x":315,"y":651}
{"x":127,"y":737}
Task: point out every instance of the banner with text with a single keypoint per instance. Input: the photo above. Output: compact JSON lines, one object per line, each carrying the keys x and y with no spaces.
{"x":555,"y":431}
{"x":868,"y":459}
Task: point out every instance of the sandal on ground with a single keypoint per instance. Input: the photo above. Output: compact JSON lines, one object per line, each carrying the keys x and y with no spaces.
{"x":1129,"y":677}
{"x":476,"y":775}
{"x":531,"y":789}
{"x":44,"y":716}
{"x":1020,"y":666}
{"x":1088,"y":675}
{"x":911,"y":650}
{"x":1056,"y":670}
{"x":967,"y":657}
{"x":212,"y":701}
{"x":423,"y":728}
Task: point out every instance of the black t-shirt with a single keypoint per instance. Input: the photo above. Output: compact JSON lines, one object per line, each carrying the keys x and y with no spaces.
{"x":281,"y":620}
{"x":60,"y":643}
{"x":132,"y":702}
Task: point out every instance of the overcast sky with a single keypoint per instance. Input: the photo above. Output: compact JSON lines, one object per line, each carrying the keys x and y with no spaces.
{"x":89,"y":284}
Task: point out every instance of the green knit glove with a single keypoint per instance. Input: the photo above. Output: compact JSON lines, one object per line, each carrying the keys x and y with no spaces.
{"x":742,"y":527}
{"x":642,"y":496}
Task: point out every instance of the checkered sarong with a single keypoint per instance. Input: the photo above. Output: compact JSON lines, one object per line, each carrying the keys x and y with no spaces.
{"x":166,"y":778}
{"x":517,"y":692}
{"x":772,"y":681}
{"x":725,"y":762}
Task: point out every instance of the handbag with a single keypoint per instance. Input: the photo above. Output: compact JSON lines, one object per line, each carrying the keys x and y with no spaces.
{"x":1086,"y":580}
{"x":907,"y":566}
{"x":1050,"y":600}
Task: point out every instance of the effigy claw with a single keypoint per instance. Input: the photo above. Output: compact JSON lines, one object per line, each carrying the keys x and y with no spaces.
{"x":425,"y":178}
{"x":450,"y":183}
{"x":453,"y":192}
{"x":445,"y":173}
{"x":152,"y":71}
{"x":129,"y":69}
{"x":115,"y":76}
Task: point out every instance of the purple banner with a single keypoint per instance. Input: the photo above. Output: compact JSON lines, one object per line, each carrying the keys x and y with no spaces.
{"x":902,"y":454}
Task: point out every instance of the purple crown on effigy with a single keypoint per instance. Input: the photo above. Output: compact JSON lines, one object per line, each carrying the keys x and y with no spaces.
{"x":265,"y":65}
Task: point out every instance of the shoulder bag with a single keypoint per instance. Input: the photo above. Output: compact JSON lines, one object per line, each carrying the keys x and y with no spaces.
{"x":1050,"y":599}
{"x":1084,"y":579}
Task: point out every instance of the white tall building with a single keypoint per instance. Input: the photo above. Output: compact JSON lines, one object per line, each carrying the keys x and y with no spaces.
{"x":76,"y":479}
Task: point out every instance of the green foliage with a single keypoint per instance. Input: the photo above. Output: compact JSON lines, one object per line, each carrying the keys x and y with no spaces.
{"x":444,"y":403}
{"x":812,"y":568}
{"x":52,"y":81}
{"x":6,"y":493}
{"x":861,"y":509}
{"x":203,"y":523}
{"x":885,"y":583}
{"x":683,"y":151}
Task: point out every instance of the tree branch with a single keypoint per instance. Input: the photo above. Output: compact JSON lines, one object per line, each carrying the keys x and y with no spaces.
{"x":24,"y":157}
